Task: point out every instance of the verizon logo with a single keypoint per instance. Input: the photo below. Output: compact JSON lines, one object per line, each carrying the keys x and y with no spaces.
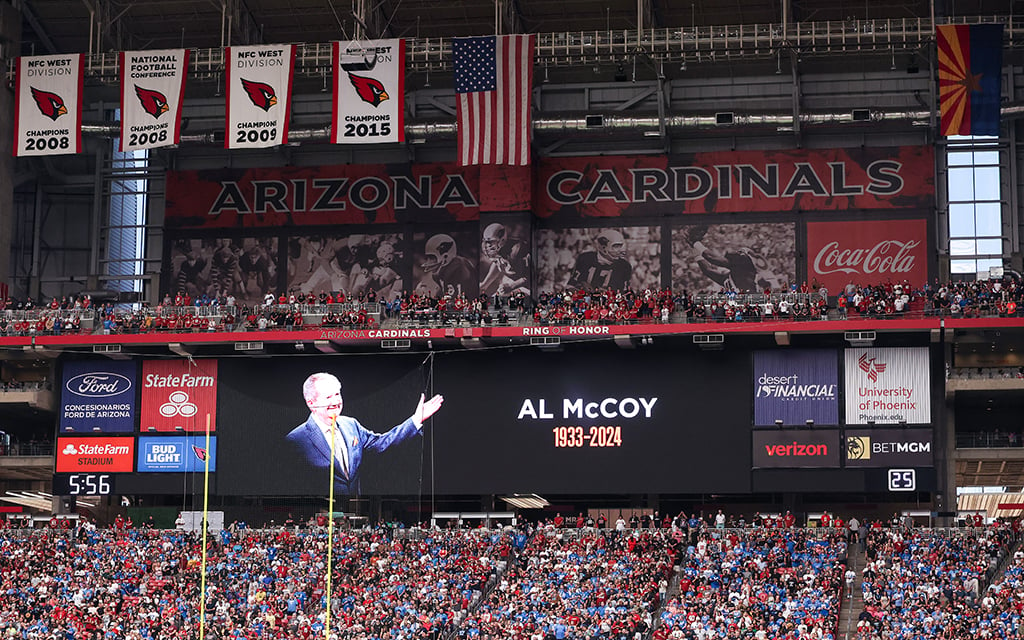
{"x":886,"y":257}
{"x":796,"y":449}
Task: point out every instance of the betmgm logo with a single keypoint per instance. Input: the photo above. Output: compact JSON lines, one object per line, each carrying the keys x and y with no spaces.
{"x":858,"y":448}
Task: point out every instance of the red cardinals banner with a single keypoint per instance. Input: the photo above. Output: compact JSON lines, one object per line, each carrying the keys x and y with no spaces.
{"x":369,"y":92}
{"x":48,"y":105}
{"x":179,"y":395}
{"x":259,"y":81}
{"x":736,"y":182}
{"x":152,"y":90}
{"x":347,"y":194}
{"x":867,"y":251}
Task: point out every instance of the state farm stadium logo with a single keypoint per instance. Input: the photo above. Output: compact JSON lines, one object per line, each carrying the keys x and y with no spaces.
{"x":87,"y":454}
{"x":789,"y":388}
{"x":96,"y":450}
{"x":888,"y":257}
{"x":796,"y":449}
{"x":98,"y":384}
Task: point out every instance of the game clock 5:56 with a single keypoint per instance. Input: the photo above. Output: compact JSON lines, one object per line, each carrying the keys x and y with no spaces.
{"x":83,"y":484}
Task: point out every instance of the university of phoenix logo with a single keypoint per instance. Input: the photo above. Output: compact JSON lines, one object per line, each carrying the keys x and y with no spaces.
{"x":870,"y":366}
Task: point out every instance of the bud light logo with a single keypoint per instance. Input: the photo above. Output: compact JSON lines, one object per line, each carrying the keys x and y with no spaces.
{"x":176,"y":455}
{"x":99,"y":384}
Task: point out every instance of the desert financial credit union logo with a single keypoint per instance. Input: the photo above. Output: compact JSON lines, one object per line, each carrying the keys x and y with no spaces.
{"x":261,"y":93}
{"x":789,"y":388}
{"x":871,"y":366}
{"x":50,"y":104}
{"x":153,"y":102}
{"x":858,"y":448}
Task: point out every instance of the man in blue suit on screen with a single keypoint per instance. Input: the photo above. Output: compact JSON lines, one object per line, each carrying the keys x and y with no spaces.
{"x":312,"y":439}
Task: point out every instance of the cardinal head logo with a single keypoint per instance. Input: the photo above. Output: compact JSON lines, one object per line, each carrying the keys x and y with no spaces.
{"x":369,"y":89}
{"x":261,"y":93}
{"x":200,"y":453}
{"x":50,"y":105}
{"x":870,"y":366}
{"x":154,"y":102}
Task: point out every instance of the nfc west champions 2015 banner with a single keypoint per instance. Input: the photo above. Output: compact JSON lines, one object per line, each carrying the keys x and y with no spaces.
{"x":48,"y":105}
{"x":259,"y":83}
{"x":796,"y":386}
{"x":888,"y":386}
{"x":152,"y":90}
{"x":98,"y":396}
{"x":369,"y":92}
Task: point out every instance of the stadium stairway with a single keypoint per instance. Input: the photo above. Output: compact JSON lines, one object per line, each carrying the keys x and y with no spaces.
{"x":853,"y":599}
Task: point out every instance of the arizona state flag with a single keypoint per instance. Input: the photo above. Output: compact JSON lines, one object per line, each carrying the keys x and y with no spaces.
{"x":970,"y":74}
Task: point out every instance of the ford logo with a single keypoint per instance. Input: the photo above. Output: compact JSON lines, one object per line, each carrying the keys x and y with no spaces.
{"x":99,"y":384}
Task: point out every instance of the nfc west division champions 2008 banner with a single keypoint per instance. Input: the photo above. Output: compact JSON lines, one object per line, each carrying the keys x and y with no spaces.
{"x":48,"y":105}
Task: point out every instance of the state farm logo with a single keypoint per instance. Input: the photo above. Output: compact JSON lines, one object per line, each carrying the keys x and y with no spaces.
{"x":178,"y":404}
{"x":870,"y":366}
{"x":106,"y":449}
{"x":888,"y":257}
{"x":99,"y":384}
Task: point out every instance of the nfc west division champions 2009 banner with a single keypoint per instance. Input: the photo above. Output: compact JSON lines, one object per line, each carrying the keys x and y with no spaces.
{"x":259,"y":81}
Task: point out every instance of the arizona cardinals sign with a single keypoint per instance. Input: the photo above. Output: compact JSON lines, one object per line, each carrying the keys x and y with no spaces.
{"x":369,"y":92}
{"x":152,"y":89}
{"x":48,"y":107}
{"x":259,"y":95}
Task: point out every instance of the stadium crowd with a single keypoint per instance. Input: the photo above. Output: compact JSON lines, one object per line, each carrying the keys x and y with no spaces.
{"x":183,"y":312}
{"x":921,"y":583}
{"x":570,"y":582}
{"x":767,"y":583}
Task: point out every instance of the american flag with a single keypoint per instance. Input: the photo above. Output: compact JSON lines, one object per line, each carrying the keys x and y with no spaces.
{"x":493,"y":81}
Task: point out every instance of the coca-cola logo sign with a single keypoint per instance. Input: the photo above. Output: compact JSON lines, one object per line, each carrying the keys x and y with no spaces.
{"x":867,"y":252}
{"x":887,"y":256}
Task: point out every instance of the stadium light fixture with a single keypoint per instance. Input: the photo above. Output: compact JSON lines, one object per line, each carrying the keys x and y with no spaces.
{"x":526,"y":501}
